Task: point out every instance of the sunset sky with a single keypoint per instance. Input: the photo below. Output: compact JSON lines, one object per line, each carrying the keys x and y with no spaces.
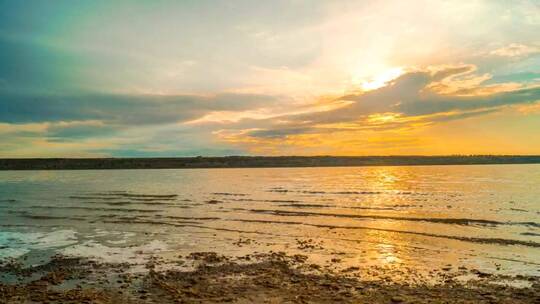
{"x":187,"y":78}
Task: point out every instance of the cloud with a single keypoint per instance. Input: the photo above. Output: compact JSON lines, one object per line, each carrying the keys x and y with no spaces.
{"x":117,"y":109}
{"x":278,"y":133}
{"x":180,"y":78}
{"x":78,"y":130}
{"x":123,"y":124}
{"x":515,"y":50}
{"x":415,"y":99}
{"x":104,"y":124}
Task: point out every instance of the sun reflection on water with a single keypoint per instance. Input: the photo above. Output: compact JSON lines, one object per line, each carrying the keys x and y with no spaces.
{"x":387,"y":254}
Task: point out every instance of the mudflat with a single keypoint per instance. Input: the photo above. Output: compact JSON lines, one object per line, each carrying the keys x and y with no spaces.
{"x":273,"y":277}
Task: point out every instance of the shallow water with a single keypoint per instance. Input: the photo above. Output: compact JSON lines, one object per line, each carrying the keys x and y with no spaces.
{"x":414,"y":218}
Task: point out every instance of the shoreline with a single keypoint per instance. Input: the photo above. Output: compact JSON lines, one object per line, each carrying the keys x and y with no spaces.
{"x":271,"y":277}
{"x":257,"y":162}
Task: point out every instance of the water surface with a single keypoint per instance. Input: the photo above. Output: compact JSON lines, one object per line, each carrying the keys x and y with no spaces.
{"x":418,"y":217}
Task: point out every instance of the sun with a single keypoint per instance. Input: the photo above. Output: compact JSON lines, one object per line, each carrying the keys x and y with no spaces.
{"x":378,"y":79}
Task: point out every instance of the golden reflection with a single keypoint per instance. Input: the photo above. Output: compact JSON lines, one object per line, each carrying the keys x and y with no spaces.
{"x":386,"y":178}
{"x":387,"y":254}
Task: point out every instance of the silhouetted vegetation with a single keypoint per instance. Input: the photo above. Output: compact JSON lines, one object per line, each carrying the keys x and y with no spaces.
{"x":257,"y":162}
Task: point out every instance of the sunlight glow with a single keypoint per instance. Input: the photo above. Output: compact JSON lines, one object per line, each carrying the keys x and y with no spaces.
{"x":381,"y":79}
{"x":381,"y":118}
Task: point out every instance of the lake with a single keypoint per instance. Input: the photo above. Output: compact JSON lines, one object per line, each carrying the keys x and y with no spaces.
{"x":400,"y":218}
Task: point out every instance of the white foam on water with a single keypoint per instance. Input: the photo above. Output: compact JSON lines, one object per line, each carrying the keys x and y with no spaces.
{"x":16,"y":244}
{"x":7,"y":253}
{"x":59,"y":238}
{"x":117,"y":237}
{"x":118,"y":242}
{"x":133,"y":255}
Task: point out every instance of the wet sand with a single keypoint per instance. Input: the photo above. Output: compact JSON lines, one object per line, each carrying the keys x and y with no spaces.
{"x":273,"y":277}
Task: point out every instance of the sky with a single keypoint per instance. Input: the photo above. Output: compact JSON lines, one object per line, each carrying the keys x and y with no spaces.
{"x":297,"y":77}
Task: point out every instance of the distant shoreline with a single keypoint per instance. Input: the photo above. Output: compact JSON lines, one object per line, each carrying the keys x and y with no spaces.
{"x":257,"y":162}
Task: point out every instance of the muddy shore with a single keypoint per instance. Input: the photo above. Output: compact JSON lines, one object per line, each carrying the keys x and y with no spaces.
{"x":273,"y":277}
